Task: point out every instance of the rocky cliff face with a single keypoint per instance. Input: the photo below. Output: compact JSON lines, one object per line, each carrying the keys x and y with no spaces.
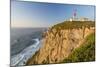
{"x":58,"y":44}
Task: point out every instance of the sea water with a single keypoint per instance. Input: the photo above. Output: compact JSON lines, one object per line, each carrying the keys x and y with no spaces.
{"x":24,"y":43}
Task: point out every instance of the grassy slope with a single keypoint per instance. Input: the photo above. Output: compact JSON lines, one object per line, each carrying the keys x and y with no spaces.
{"x":85,"y":52}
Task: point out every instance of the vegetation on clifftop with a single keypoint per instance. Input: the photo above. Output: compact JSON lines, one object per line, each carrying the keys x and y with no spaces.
{"x":74,"y":24}
{"x":86,"y":52}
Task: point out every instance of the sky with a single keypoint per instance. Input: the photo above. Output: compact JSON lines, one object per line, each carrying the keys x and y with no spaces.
{"x":36,"y":14}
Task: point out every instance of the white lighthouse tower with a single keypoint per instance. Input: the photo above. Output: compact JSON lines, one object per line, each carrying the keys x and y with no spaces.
{"x":74,"y":15}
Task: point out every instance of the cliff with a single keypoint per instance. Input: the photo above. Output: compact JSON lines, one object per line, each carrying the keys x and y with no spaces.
{"x":60,"y":41}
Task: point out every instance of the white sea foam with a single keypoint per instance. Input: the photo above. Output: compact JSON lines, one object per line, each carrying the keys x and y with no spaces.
{"x":22,"y":57}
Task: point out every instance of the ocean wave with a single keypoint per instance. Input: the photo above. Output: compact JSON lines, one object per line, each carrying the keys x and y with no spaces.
{"x":22,"y":57}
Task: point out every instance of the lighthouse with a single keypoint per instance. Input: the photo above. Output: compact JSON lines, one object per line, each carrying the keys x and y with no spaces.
{"x":74,"y":15}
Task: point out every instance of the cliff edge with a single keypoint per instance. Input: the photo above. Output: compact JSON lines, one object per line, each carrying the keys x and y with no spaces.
{"x":61,"y":40}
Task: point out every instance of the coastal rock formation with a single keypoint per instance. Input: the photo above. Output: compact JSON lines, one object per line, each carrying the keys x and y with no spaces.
{"x":58,"y":44}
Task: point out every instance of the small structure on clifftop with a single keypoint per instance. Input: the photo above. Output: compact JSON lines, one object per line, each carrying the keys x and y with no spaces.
{"x":75,"y":18}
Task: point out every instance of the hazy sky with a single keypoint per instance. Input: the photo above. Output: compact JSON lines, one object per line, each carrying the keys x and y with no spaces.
{"x":33,"y":14}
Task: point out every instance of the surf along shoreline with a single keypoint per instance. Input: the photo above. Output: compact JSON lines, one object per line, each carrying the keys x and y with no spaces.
{"x":21,"y":58}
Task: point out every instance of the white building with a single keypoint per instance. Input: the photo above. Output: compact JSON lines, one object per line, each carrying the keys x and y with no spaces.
{"x":79,"y":19}
{"x":84,"y":19}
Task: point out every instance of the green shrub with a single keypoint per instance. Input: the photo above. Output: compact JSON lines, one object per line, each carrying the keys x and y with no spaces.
{"x":86,"y":52}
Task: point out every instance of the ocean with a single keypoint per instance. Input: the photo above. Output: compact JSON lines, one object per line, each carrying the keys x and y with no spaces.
{"x":24,"y":43}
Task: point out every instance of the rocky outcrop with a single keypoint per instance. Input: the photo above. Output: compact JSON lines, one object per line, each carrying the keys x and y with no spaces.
{"x":58,"y":44}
